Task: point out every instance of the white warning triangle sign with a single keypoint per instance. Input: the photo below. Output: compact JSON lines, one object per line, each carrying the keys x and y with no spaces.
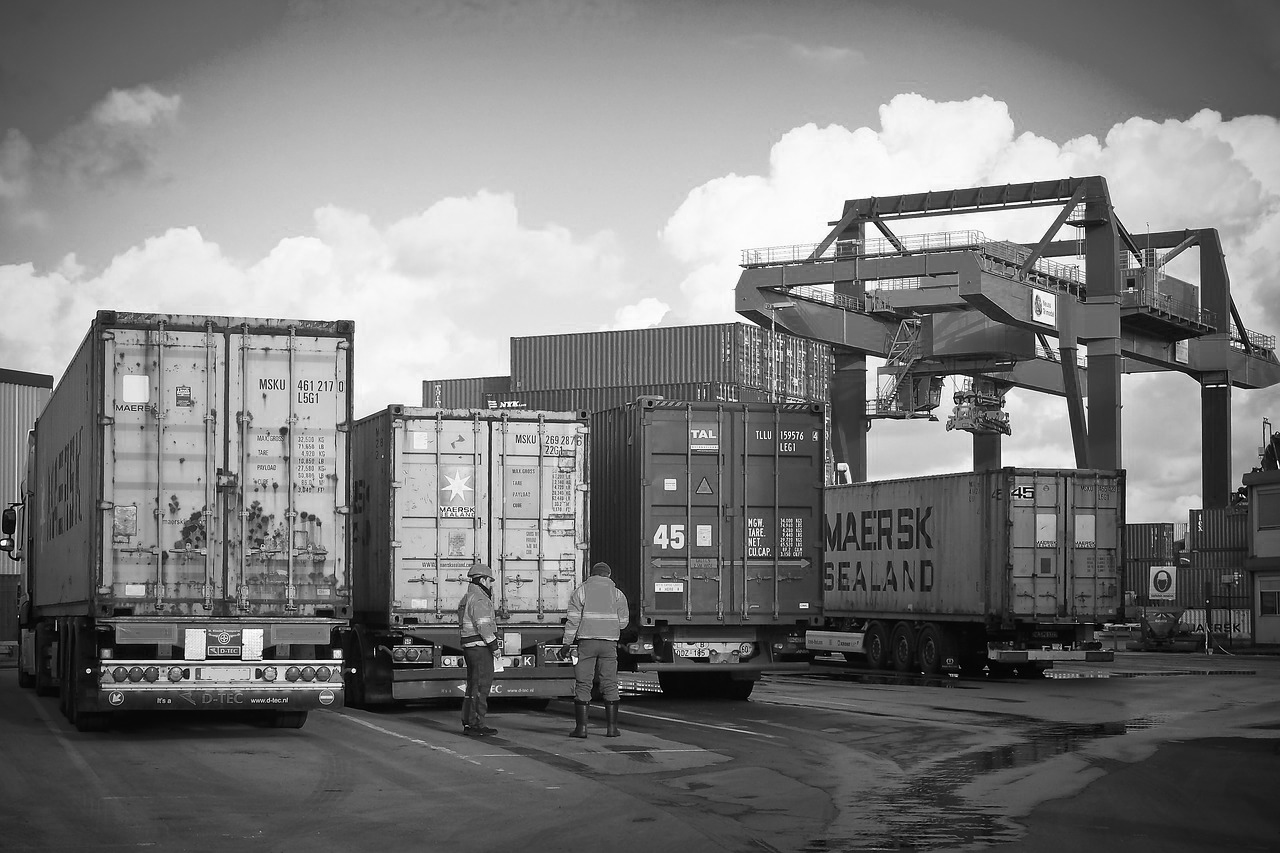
{"x":704,"y":488}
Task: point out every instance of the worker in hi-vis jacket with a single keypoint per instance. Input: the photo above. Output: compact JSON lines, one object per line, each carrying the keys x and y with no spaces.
{"x":597,"y":614}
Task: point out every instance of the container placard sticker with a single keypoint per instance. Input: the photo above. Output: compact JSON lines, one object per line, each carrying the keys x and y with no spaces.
{"x":704,"y":437}
{"x":669,"y":484}
{"x":702,"y":533}
{"x":183,"y":396}
{"x":666,"y":586}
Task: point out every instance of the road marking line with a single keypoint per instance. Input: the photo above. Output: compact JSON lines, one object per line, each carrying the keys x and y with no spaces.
{"x":721,"y":728}
{"x":72,"y":752}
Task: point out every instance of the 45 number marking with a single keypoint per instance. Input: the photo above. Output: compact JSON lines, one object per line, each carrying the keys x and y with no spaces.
{"x":669,"y":536}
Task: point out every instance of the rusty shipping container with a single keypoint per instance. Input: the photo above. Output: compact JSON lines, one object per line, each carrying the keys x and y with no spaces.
{"x":728,"y":353}
{"x":22,"y":397}
{"x":191,"y":479}
{"x":1218,"y":529}
{"x":710,"y":516}
{"x":462,"y":393}
{"x":1013,"y":565}
{"x":437,"y":490}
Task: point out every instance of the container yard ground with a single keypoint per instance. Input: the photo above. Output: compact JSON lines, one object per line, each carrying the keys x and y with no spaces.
{"x":834,"y":760}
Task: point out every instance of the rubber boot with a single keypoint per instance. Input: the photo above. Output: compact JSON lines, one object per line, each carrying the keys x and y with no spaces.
{"x":579,"y":719}
{"x":611,"y":719}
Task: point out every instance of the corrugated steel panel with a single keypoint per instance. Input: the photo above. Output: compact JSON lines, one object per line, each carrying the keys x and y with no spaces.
{"x":462,"y":393}
{"x":247,"y":467}
{"x":1153,"y":541}
{"x":598,"y":399}
{"x":709,"y":514}
{"x":1023,"y":544}
{"x":440,"y":489}
{"x":1224,"y":582}
{"x":8,"y":608}
{"x":22,"y":397}
{"x":733,"y":353}
{"x":1218,"y":529}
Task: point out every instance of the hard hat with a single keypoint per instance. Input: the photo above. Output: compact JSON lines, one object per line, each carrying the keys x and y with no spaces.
{"x":480,"y":570}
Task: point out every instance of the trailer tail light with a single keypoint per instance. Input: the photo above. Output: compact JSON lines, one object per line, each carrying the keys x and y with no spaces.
{"x":135,"y":674}
{"x":399,"y":654}
{"x":411,"y":654}
{"x":175,"y":673}
{"x":292,"y":674}
{"x":120,"y":673}
{"x":323,"y":673}
{"x":151,"y":674}
{"x":308,"y":673}
{"x":269,"y":673}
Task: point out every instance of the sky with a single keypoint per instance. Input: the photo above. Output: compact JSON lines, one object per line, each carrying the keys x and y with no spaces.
{"x":452,"y":174}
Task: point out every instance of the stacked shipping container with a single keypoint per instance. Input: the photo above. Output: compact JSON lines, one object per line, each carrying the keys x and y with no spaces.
{"x":1208,"y":555}
{"x":727,"y":362}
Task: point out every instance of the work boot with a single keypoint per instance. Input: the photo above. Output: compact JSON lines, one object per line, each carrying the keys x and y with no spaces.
{"x":611,"y":719}
{"x":579,"y":719}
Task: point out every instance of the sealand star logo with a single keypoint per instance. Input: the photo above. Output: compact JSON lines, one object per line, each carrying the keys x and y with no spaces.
{"x":457,"y":487}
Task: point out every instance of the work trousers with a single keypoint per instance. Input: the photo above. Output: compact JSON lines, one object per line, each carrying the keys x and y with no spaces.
{"x":596,"y":659}
{"x":479,"y":681}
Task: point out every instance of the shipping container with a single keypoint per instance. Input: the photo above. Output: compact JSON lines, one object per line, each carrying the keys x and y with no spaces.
{"x":598,"y":399}
{"x":437,"y":490}
{"x":1010,"y":566}
{"x":1218,"y":529}
{"x":22,"y":397}
{"x":190,"y":551}
{"x":729,"y":353}
{"x":709,"y":515}
{"x":1151,"y":541}
{"x":462,"y":393}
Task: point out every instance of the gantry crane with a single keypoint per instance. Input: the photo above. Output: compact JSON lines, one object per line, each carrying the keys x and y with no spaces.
{"x":958,"y":303}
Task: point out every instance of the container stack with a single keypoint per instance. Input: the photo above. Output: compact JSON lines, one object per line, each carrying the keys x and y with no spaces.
{"x":1148,"y":546}
{"x":592,"y":371}
{"x":1216,"y":546}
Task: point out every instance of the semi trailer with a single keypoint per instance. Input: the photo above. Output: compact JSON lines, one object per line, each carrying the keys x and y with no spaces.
{"x":182,"y":526}
{"x":1004,"y":568}
{"x":437,"y":490}
{"x":710,"y":516}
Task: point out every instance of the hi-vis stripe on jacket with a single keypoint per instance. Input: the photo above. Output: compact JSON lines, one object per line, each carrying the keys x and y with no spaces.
{"x":597,"y":611}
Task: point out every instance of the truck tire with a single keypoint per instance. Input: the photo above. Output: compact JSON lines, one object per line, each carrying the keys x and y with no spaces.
{"x":930,"y":650}
{"x":902,"y":647}
{"x":876,"y":644}
{"x":289,"y":719}
{"x":45,"y":685}
{"x":26,"y":680}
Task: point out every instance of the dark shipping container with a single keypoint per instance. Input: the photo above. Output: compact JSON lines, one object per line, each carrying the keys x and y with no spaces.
{"x":462,"y":393}
{"x":1218,"y":529}
{"x":710,"y":515}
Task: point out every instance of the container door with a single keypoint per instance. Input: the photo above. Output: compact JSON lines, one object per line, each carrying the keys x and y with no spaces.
{"x":441,"y":498}
{"x":777,"y":505}
{"x":165,"y":420}
{"x":1037,"y":518}
{"x":538,"y":494}
{"x":285,"y":470}
{"x":1093,"y":556}
{"x":688,"y":534}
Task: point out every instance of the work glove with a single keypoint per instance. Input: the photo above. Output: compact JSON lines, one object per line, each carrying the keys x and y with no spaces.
{"x":566,"y":652}
{"x":493,"y":646}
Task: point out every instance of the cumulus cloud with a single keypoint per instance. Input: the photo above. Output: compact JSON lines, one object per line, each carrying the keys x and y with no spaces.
{"x":640,"y":315}
{"x":423,"y":305}
{"x":1203,"y":171}
{"x":116,"y":140}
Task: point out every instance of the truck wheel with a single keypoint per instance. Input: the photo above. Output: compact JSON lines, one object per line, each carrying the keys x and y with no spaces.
{"x":902,"y":647}
{"x":929,"y":650}
{"x":45,"y":685}
{"x":289,"y":719}
{"x":26,"y":680}
{"x":876,"y":645}
{"x":675,"y":685}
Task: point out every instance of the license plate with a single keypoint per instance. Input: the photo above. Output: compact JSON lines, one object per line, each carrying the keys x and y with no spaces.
{"x":224,"y":673}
